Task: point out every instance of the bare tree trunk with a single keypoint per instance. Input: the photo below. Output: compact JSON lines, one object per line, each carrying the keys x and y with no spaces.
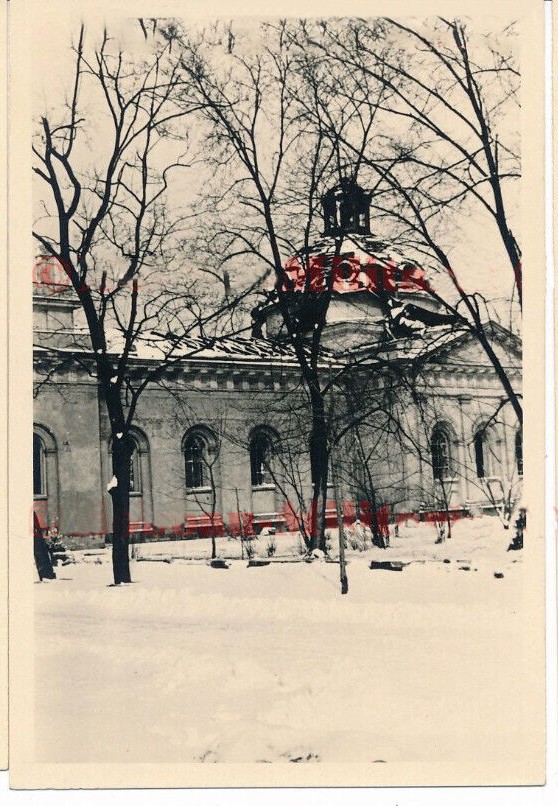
{"x":240,"y":524}
{"x":120,"y":493}
{"x":212,"y":517}
{"x":377,"y":539}
{"x":319,"y":472}
{"x":444,"y":501}
{"x":447,"y":509}
{"x":342,"y":564}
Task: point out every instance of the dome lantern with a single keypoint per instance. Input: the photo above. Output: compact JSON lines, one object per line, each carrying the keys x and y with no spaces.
{"x":346,"y":208}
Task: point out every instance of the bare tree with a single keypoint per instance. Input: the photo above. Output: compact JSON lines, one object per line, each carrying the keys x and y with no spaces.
{"x":206,"y":494}
{"x":269,"y":169}
{"x":447,"y":141}
{"x":386,"y":430}
{"x":495,"y":466}
{"x":108,"y":221}
{"x":456,"y":89}
{"x":283,"y":419}
{"x":340,"y":527}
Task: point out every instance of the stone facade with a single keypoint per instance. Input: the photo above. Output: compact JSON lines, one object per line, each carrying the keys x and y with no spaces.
{"x":226,"y":399}
{"x":225,"y":436}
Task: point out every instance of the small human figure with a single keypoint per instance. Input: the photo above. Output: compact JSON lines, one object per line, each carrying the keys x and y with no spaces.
{"x":41,"y":552}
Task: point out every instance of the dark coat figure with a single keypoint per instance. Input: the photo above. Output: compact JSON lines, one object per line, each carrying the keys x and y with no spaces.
{"x":41,"y":552}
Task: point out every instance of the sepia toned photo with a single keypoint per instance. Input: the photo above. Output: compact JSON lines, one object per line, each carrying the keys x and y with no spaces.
{"x":282,"y":375}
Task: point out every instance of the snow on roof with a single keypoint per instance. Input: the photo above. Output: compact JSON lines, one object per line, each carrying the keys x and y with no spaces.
{"x":366,"y":247}
{"x":158,"y":346}
{"x":215,"y":348}
{"x":436,"y":338}
{"x":239,"y":349}
{"x":420,"y":345}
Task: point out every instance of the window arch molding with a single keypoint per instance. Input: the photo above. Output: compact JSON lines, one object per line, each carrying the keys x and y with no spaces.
{"x":443,"y":443}
{"x":199,"y":451}
{"x":264,"y":445}
{"x":46,"y":485}
{"x":47,"y":436}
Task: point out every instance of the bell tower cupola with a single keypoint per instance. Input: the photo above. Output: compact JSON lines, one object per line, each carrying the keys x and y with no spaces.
{"x":346,"y":209}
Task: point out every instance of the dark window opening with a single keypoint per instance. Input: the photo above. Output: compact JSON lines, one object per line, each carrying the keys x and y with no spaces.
{"x":479,"y":455}
{"x":135,"y":470}
{"x":39,"y":481}
{"x":441,"y":455}
{"x":260,"y":460}
{"x":194,"y":454}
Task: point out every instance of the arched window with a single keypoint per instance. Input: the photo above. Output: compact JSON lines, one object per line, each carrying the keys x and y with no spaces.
{"x":195,"y":459}
{"x":479,"y":454}
{"x":441,"y":453}
{"x":261,"y":456}
{"x":45,"y":475}
{"x":487,"y":446}
{"x":39,"y":467}
{"x":519,"y":451}
{"x":135,"y":469}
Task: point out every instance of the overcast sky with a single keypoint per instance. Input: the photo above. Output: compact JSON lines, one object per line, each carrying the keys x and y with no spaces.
{"x":475,"y":250}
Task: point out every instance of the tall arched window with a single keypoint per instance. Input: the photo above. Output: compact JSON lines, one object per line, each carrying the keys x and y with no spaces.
{"x":195,"y":461}
{"x":487,"y":446}
{"x":441,"y":453}
{"x":479,"y":454}
{"x":45,"y":475}
{"x":39,"y":467}
{"x":136,"y":485}
{"x":519,"y":451}
{"x":261,"y":456}
{"x":141,"y":490}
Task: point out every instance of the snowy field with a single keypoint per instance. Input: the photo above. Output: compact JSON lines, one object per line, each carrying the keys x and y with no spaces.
{"x":193,"y":663}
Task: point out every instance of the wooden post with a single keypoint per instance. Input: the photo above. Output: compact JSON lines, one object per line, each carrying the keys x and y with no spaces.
{"x":240,"y":524}
{"x":339,"y":508}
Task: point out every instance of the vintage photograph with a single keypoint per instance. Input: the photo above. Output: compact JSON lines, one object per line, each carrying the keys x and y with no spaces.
{"x":278,"y":505}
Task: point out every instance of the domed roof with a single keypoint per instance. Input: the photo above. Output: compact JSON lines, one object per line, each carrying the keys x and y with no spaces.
{"x":348,"y":260}
{"x":352,"y":262}
{"x":348,"y":257}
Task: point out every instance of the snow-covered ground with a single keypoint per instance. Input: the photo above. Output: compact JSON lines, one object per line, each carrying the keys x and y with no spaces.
{"x":193,"y":663}
{"x":417,"y":541}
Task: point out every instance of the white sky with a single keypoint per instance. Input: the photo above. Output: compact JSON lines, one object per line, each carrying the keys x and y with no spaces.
{"x":476,"y":250}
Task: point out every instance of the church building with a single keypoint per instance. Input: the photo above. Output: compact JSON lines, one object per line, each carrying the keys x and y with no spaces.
{"x":424,"y":421}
